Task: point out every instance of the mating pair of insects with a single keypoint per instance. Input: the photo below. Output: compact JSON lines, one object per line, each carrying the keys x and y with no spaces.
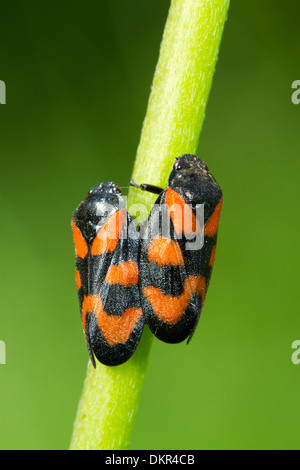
{"x":124,"y":282}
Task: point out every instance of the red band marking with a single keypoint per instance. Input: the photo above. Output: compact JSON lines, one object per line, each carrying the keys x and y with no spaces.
{"x":171,"y":309}
{"x":211,"y":226}
{"x":115,"y":329}
{"x":212,"y":256}
{"x":165,"y":252}
{"x":126,"y":274}
{"x":181,"y":214}
{"x":78,"y":279}
{"x":108,"y":236}
{"x":81,"y":247}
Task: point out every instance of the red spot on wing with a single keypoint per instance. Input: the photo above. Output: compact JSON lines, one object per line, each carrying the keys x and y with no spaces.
{"x":115,"y":329}
{"x":126,"y":274}
{"x":108,"y":236}
{"x":81,"y":247}
{"x":78,"y":279}
{"x":211,"y":226}
{"x":212,"y":256}
{"x":165,"y":252}
{"x":170,"y":309}
{"x":181,"y":214}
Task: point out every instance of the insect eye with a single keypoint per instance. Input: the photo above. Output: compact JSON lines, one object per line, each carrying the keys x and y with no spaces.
{"x":177,"y":166}
{"x":116,"y":189}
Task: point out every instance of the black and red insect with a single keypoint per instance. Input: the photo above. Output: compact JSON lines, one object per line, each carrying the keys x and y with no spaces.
{"x":160,"y":276}
{"x":107,"y":275}
{"x":174,"y":270}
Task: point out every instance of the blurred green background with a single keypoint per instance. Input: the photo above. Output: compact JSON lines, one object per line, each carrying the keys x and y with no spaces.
{"x":78,"y":76}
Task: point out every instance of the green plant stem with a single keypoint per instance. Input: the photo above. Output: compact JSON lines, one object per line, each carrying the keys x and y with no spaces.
{"x":172,"y":127}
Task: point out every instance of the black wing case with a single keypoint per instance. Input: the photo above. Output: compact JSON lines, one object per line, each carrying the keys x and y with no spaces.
{"x":174,"y":268}
{"x":107,"y":282}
